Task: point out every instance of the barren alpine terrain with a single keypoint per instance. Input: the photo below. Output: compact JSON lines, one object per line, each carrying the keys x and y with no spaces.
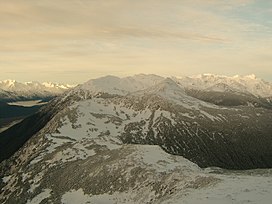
{"x":143,"y":139}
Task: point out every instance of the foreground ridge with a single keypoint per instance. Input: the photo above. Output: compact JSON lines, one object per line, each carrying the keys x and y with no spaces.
{"x":141,"y":143}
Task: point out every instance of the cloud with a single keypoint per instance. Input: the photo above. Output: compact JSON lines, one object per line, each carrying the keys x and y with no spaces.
{"x":96,"y":18}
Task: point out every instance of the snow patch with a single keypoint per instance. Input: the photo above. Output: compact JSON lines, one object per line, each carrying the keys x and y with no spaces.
{"x":6,"y":178}
{"x":75,"y":196}
{"x":46,"y":193}
{"x":155,"y":157}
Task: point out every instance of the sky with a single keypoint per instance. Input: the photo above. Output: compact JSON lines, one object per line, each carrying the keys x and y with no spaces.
{"x":72,"y":41}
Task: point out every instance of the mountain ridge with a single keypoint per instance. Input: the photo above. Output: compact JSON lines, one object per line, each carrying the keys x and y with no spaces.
{"x":125,"y":144}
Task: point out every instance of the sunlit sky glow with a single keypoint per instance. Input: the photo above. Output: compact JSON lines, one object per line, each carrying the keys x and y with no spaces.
{"x":73,"y":41}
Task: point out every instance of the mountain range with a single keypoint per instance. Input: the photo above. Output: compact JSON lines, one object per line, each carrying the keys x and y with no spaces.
{"x":12,"y":90}
{"x":144,"y":139}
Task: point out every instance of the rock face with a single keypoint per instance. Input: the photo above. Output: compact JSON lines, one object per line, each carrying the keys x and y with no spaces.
{"x":97,"y":145}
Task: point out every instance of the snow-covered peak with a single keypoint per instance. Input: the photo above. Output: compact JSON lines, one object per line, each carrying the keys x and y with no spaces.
{"x":8,"y":83}
{"x":108,"y":84}
{"x":251,"y":76}
{"x":211,"y":82}
{"x":121,"y":86}
{"x":33,"y":87}
{"x":249,"y":84}
{"x":170,"y":90}
{"x":165,"y":87}
{"x":57,"y":85}
{"x":209,"y":76}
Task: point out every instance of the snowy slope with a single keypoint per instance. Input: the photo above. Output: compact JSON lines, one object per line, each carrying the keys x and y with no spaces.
{"x":234,"y":187}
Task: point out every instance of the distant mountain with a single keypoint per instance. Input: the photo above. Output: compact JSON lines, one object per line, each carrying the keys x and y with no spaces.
{"x":127,"y":140}
{"x":11,"y":90}
{"x":229,"y":91}
{"x":249,"y":84}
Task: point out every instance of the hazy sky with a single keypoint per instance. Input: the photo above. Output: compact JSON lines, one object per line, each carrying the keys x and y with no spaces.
{"x":75,"y":40}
